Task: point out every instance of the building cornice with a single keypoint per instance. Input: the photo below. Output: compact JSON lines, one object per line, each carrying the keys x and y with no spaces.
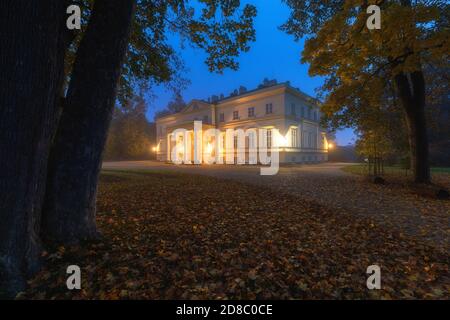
{"x":244,"y":98}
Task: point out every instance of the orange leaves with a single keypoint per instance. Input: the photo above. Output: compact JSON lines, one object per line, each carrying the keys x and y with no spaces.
{"x":233,"y":241}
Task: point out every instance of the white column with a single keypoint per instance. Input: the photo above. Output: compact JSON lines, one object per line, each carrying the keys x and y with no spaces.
{"x":198,"y":143}
{"x":168,"y":147}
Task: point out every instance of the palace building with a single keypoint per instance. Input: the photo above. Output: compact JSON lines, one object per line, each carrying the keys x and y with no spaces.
{"x":294,"y":115}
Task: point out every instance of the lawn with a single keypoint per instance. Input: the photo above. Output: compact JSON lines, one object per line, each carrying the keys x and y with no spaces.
{"x":180,"y":236}
{"x":392,"y":170}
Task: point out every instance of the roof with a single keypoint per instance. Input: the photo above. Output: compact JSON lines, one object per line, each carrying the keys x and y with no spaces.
{"x":247,"y":93}
{"x":267,"y":88}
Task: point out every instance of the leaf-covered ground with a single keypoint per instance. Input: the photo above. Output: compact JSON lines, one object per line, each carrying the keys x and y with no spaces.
{"x":179,"y":236}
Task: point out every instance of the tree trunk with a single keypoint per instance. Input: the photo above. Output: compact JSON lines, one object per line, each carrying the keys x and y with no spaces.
{"x":31,"y":67}
{"x":411,"y":88}
{"x":75,"y":159}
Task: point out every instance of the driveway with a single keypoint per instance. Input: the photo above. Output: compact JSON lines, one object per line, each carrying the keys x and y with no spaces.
{"x":391,"y":205}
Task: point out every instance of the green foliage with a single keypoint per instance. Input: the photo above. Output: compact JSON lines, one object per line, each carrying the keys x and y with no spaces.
{"x":221,"y":27}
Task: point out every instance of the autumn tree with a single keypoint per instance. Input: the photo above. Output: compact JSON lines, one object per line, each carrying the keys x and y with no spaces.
{"x":130,"y":49}
{"x":361,"y":65}
{"x":56,"y":109}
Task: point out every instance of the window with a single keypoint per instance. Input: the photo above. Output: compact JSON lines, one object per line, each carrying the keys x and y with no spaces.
{"x":309,"y":113}
{"x":268,"y":108}
{"x":294,"y":137}
{"x":205,"y":119}
{"x":269,"y":138}
{"x":315,"y":115}
{"x":221,"y":117}
{"x":293,"y":109}
{"x":303,"y":112}
{"x":235,"y":142}
{"x":235,"y":115}
{"x":251,"y":112}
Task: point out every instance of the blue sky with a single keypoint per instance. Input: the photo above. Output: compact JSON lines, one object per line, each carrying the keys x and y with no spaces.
{"x":274,"y":55}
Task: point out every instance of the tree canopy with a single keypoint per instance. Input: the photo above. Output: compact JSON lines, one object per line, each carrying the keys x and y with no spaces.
{"x":222,"y":28}
{"x":367,"y":70}
{"x":359,"y":63}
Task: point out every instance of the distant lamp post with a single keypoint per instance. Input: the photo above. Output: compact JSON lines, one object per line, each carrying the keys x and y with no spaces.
{"x":155,"y":150}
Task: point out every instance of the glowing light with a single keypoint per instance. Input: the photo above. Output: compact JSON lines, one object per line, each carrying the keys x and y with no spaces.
{"x":180,"y":149}
{"x":209,"y":148}
{"x":330,"y":146}
{"x":281,"y":141}
{"x":156,"y":148}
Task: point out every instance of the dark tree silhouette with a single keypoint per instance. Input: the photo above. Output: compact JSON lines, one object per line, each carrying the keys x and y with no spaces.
{"x":31,"y":64}
{"x":75,"y":160}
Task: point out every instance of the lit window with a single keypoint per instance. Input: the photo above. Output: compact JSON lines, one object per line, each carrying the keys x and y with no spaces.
{"x":269,"y":138}
{"x":294,"y":137}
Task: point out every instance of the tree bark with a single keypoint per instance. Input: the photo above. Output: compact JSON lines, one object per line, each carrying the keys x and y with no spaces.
{"x":75,"y":159}
{"x":411,"y":88}
{"x":31,"y":67}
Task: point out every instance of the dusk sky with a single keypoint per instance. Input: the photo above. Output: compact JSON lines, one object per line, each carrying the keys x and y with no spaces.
{"x":274,"y":55}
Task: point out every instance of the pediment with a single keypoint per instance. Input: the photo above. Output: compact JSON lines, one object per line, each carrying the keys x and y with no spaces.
{"x":195,"y":105}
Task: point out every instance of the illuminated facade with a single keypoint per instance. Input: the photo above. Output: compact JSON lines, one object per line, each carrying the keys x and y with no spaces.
{"x":278,"y":108}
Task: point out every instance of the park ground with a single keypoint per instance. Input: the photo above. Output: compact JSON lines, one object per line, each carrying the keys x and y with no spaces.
{"x":225,"y":232}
